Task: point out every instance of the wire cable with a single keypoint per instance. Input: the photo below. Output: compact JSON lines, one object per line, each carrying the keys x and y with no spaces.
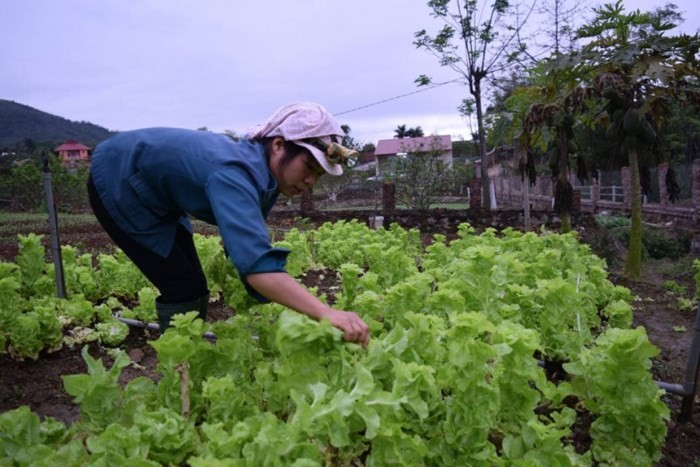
{"x":397,"y":97}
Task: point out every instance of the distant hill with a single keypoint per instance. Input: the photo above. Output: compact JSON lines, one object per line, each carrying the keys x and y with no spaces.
{"x":19,"y":122}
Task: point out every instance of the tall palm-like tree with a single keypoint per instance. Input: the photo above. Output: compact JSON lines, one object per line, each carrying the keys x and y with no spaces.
{"x":400,"y":131}
{"x":636,"y":69}
{"x":623,"y":79}
{"x":416,"y":132}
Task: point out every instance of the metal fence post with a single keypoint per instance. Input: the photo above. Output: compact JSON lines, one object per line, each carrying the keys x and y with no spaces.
{"x":692,"y":373}
{"x":53,"y":225}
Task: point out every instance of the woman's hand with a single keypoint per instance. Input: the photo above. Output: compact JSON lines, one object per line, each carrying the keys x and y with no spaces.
{"x":280,"y":287}
{"x":351,"y":324}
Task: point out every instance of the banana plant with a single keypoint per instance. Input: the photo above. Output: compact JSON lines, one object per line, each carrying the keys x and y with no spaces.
{"x":635,"y":71}
{"x":624,"y":78}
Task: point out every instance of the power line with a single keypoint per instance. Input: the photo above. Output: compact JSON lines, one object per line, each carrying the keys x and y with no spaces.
{"x":397,"y":97}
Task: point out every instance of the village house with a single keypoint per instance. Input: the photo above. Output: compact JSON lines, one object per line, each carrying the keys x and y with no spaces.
{"x":73,"y":154}
{"x":388,"y":149}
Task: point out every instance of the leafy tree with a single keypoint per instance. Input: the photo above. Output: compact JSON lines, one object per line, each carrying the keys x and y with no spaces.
{"x":348,"y":141}
{"x":624,"y":78}
{"x":636,"y":69}
{"x":475,"y":51}
{"x":368,"y":147}
{"x":29,"y":145}
{"x":333,"y":185}
{"x":681,"y":138}
{"x":465,"y":149}
{"x":561,"y":21}
{"x":21,"y":186}
{"x":421,"y":176}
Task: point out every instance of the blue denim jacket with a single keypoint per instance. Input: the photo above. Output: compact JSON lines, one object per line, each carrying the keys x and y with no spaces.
{"x":151,"y":179}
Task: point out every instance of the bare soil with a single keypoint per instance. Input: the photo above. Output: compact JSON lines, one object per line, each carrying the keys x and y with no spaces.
{"x":38,"y":384}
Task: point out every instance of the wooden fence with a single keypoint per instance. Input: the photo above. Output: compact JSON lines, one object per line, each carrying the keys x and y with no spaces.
{"x":511,"y":191}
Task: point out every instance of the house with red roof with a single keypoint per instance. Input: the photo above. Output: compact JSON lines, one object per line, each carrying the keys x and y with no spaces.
{"x":73,"y":154}
{"x":388,"y":149}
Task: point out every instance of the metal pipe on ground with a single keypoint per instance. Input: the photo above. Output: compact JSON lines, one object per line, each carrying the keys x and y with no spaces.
{"x":154,"y":326}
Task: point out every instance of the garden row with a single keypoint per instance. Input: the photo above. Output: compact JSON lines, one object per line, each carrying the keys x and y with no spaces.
{"x":465,"y":335}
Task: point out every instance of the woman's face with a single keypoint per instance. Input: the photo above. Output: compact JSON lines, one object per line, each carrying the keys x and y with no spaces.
{"x":300,"y":174}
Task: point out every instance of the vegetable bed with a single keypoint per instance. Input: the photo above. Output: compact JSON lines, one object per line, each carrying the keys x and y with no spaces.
{"x":508,"y":348}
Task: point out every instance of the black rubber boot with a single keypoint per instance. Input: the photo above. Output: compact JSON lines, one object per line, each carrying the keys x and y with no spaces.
{"x":166,"y":311}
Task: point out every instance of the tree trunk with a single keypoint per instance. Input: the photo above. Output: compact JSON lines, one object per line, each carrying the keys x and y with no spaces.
{"x":565,"y":213}
{"x":565,"y":222}
{"x":633,"y":264}
{"x":485,"y":182}
{"x":526,"y":191}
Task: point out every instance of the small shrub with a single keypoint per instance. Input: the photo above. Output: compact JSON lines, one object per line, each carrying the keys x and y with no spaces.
{"x":657,"y":245}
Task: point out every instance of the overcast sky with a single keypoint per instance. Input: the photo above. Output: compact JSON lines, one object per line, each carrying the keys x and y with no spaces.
{"x":228,"y":64}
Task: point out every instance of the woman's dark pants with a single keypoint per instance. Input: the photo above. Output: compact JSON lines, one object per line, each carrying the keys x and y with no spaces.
{"x":178,"y":277}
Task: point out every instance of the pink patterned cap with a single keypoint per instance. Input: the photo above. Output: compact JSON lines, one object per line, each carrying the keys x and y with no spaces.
{"x":311,"y":126}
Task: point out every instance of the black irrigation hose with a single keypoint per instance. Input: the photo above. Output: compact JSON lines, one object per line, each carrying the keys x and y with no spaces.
{"x":154,"y":326}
